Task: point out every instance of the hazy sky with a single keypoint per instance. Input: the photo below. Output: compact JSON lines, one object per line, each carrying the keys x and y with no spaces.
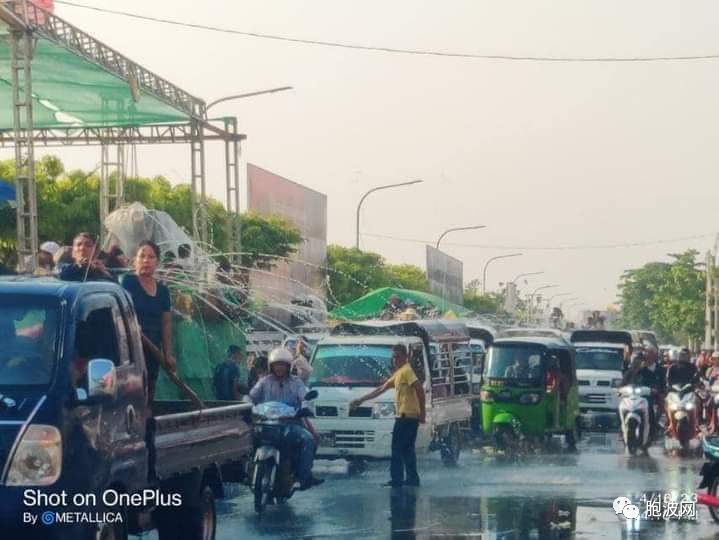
{"x":544,"y":154}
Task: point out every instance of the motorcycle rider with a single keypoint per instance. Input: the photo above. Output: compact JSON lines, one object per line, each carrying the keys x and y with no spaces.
{"x":281,"y":385}
{"x":681,"y":372}
{"x":640,"y":374}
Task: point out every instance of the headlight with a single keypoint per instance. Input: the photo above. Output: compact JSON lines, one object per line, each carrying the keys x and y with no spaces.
{"x":530,"y":399}
{"x":616,"y":383}
{"x":383,"y":410}
{"x":38,"y":459}
{"x":486,"y":396}
{"x":689,"y":406}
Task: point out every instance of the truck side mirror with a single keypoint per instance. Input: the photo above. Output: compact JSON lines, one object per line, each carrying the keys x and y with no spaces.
{"x":101,"y":380}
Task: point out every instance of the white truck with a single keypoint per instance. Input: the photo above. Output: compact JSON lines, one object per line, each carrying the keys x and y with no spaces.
{"x":357,"y":357}
{"x":600,"y":365}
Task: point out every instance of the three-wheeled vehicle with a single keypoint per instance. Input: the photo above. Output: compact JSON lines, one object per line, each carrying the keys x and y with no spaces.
{"x":529,"y":393}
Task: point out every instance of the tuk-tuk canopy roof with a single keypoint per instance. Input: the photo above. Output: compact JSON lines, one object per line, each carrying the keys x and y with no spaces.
{"x":546,"y":342}
{"x":373,"y":303}
{"x":428,"y":330}
{"x":602,"y":336}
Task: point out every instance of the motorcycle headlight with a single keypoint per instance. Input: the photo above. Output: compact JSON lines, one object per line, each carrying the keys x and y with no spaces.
{"x":689,"y":406}
{"x":38,"y":458}
{"x":530,"y":399}
{"x":486,"y":396}
{"x":383,"y":410}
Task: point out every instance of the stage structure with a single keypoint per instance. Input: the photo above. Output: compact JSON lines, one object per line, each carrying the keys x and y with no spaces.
{"x":66,"y":88}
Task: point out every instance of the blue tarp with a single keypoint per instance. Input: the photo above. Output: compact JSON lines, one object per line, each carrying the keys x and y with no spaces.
{"x":7,"y":191}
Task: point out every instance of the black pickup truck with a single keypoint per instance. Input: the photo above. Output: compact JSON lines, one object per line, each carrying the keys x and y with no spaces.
{"x":81,"y":454}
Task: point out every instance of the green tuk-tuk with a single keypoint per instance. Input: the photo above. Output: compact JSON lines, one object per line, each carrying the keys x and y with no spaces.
{"x":529,"y":392}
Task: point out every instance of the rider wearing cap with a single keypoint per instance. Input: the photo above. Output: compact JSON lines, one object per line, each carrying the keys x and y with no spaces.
{"x":281,"y":385}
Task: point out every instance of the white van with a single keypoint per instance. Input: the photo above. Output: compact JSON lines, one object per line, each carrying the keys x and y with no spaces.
{"x":600,"y":365}
{"x":358,"y":357}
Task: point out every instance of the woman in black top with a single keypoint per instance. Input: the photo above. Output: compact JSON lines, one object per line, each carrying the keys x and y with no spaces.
{"x":152,"y":305}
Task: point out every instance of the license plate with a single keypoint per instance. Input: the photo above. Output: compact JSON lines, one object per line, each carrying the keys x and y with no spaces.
{"x":327,"y":440}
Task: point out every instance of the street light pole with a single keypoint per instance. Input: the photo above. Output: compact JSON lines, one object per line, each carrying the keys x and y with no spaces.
{"x":531,"y":298}
{"x":249,"y":94}
{"x":359,"y":206}
{"x":484,"y":273}
{"x":472,"y":228}
{"x":525,"y":275}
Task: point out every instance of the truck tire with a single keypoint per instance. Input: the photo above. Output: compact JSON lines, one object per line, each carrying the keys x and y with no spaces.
{"x":451,"y":446}
{"x":110,"y":531}
{"x":190,"y":523}
{"x":713,"y":488}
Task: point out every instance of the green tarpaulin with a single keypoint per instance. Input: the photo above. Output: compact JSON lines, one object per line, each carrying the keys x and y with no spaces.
{"x":199,"y":346}
{"x":372,"y":304}
{"x":69,"y":90}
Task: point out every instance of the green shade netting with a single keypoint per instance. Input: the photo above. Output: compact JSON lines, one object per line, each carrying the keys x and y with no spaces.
{"x":70,"y":91}
{"x":198,"y":348}
{"x":372,"y":304}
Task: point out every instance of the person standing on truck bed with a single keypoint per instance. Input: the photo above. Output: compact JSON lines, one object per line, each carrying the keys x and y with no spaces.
{"x":410,"y":410}
{"x":152,"y":305}
{"x":85,"y":265}
{"x":281,"y":385}
{"x":227,"y":376}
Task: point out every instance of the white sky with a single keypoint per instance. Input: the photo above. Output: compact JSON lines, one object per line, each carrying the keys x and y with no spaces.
{"x":541,"y":153}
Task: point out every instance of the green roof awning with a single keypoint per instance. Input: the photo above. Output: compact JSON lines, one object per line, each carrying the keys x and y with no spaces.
{"x":71,"y":91}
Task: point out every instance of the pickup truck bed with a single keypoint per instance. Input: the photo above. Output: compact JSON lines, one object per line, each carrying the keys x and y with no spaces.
{"x":181,"y":439}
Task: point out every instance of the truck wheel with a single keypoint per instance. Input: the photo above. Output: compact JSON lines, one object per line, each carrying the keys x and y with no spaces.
{"x":451,"y":446}
{"x":193,"y":523}
{"x":264,"y":484}
{"x":111,"y":531}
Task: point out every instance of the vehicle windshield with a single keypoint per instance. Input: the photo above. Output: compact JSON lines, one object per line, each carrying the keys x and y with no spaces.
{"x":351,"y":365}
{"x":521,"y":365}
{"x":28,"y":334}
{"x":606,"y":359}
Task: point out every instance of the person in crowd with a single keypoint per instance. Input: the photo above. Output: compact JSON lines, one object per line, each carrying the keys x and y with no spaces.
{"x":281,"y":385}
{"x":683,"y":371}
{"x":45,"y":262}
{"x":85,"y":265}
{"x":300,"y":365}
{"x":712,"y":373}
{"x":115,"y":259}
{"x":640,"y":373}
{"x":152,"y":305}
{"x":258,"y":370}
{"x":227,"y":379}
{"x":410,"y":411}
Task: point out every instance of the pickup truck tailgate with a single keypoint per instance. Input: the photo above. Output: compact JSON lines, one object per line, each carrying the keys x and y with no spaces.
{"x":183,"y":441}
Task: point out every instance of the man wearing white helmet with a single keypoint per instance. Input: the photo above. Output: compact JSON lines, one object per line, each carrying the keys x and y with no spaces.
{"x":281,"y":385}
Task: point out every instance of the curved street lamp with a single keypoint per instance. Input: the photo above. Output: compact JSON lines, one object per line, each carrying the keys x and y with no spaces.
{"x":531,"y":299}
{"x":526,"y":275}
{"x":249,"y":94}
{"x":388,"y":186}
{"x":484,"y":273}
{"x":472,"y":228}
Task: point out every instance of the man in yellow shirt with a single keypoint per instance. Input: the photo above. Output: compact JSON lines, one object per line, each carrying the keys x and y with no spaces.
{"x":410,"y":411}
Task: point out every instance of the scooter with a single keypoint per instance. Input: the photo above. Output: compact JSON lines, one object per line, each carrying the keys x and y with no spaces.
{"x":274,"y":472}
{"x":710,"y":477}
{"x":681,"y":406}
{"x":634,"y":417}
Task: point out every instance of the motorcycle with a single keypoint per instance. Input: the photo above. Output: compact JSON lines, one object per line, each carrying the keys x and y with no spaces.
{"x":710,"y":477}
{"x":634,"y":417}
{"x":681,"y":406}
{"x":274,"y":474}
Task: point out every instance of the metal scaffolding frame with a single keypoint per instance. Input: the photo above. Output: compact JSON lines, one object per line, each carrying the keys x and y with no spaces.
{"x":232,"y":161}
{"x":27,"y":22}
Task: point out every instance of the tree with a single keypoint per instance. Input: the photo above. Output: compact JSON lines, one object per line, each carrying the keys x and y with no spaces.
{"x":353,"y":273}
{"x":69,"y":203}
{"x":665,"y":297}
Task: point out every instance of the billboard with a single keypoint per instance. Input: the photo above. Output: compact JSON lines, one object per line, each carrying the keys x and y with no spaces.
{"x":271,"y":194}
{"x":445,"y":275}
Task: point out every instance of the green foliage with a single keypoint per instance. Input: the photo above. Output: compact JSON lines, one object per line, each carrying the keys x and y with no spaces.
{"x":665,"y":297}
{"x":69,"y":203}
{"x":484,"y":304}
{"x":353,"y":273}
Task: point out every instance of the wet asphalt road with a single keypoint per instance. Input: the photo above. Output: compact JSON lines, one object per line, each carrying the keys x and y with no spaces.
{"x":558,"y":495}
